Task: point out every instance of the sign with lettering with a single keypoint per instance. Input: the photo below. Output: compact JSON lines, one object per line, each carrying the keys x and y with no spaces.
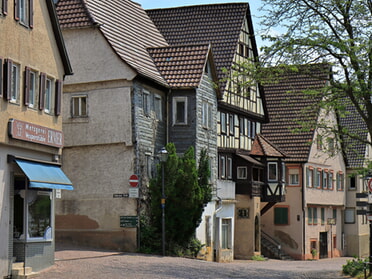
{"x":27,"y":131}
{"x":128,"y":221}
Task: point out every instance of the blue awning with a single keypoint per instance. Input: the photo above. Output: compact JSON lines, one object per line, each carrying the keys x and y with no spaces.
{"x":44,"y":175}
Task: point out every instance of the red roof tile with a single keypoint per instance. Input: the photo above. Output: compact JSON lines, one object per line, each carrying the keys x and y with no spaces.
{"x":289,"y":106}
{"x":181,"y":66}
{"x":263,"y":147}
{"x":73,"y":14}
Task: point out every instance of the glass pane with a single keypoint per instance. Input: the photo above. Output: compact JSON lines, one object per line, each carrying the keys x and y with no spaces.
{"x":39,"y":213}
{"x":83,"y":106}
{"x":180,"y":116}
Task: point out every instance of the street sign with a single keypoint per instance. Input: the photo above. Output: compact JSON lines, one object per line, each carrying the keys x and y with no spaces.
{"x":133,"y":193}
{"x":362,"y":203}
{"x":361,"y":212}
{"x":331,"y":221}
{"x":128,"y":221}
{"x":361,"y":195}
{"x":133,"y":180}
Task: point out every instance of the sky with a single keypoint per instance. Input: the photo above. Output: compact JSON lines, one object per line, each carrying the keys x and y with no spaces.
{"x":254,"y":7}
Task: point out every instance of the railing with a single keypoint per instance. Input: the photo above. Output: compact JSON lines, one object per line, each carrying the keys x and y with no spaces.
{"x":273,"y":242}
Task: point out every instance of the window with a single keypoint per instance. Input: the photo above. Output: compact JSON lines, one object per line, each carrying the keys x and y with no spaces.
{"x":146,"y":103}
{"x":207,"y":115}
{"x":79,"y":106}
{"x":340,"y":181}
{"x":325,"y":179}
{"x":253,"y":131}
{"x":322,"y":215}
{"x":23,"y":12}
{"x":4,"y":7}
{"x":293,"y":179}
{"x":309,"y":177}
{"x":334,"y":215}
{"x":231,"y":124}
{"x":281,"y":216}
{"x":242,"y":127}
{"x":352,"y":182}
{"x":319,"y":143}
{"x":30,"y":88}
{"x":242,"y":172}
{"x":179,"y":110}
{"x":48,"y":95}
{"x":229,"y":168}
{"x":350,"y":216}
{"x":330,"y":180}
{"x":272,"y":169}
{"x":226,"y":234}
{"x":331,"y":145}
{"x":318,"y":179}
{"x":222,"y":167}
{"x":158,"y":107}
{"x":223,"y":122}
{"x":312,"y":215}
{"x":14,"y":88}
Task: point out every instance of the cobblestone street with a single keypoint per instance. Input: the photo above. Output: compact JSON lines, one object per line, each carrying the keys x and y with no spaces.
{"x":85,"y":264}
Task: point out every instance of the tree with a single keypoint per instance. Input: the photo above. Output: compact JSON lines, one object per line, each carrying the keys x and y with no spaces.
{"x":186,"y":190}
{"x":338,"y":32}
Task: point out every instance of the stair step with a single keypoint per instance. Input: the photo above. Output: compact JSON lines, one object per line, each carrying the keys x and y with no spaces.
{"x":21,"y":272}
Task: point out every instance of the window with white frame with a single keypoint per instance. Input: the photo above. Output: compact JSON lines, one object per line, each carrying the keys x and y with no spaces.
{"x":48,"y":95}
{"x":309,"y":177}
{"x":294,"y":178}
{"x":272,"y":171}
{"x":242,"y":126}
{"x":14,"y":88}
{"x":24,"y":12}
{"x":79,"y":106}
{"x":158,"y":107}
{"x":223,"y":122}
{"x":231,"y":124}
{"x":330,"y":180}
{"x":179,"y":110}
{"x":325,"y":179}
{"x":340,"y":181}
{"x":242,"y":172}
{"x":312,"y":216}
{"x":222,"y":166}
{"x":226,"y":234}
{"x":32,"y":89}
{"x":318,"y":178}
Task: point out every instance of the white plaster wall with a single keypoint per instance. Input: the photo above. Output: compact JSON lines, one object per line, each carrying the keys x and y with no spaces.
{"x":209,"y":210}
{"x":92,"y":58}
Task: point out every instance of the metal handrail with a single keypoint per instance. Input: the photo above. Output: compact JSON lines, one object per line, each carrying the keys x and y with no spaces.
{"x":273,"y":241}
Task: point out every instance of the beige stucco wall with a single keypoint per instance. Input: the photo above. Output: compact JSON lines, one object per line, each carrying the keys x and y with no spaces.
{"x":244,"y":247}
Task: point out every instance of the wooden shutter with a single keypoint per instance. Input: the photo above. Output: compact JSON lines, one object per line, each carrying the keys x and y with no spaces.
{"x":7,"y":78}
{"x":42,"y":88}
{"x":58,"y":96}
{"x":16,"y":10}
{"x":26,"y":95}
{"x":1,"y":77}
{"x":5,"y":7}
{"x":31,"y":14}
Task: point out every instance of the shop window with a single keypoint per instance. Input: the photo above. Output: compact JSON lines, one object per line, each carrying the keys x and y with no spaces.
{"x":79,"y":106}
{"x":226,"y":234}
{"x":281,"y":216}
{"x":36,"y":205}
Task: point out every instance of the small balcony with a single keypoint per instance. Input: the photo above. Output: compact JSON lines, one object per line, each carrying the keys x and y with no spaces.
{"x":226,"y":189}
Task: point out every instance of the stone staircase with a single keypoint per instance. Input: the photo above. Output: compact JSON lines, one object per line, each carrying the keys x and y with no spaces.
{"x":21,"y":272}
{"x":271,"y":248}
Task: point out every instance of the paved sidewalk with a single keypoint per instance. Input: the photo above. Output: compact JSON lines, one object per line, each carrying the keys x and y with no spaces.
{"x":91,"y":264}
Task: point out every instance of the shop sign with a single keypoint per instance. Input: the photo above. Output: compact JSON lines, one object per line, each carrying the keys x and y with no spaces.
{"x":30,"y":132}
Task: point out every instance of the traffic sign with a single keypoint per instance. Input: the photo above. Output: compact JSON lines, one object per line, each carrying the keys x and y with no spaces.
{"x":133,"y":180}
{"x":361,"y":212}
{"x":370,"y":185}
{"x":361,"y":195}
{"x":361,"y":203}
{"x":133,"y":192}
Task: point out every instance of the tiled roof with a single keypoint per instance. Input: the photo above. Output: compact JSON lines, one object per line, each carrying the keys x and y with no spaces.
{"x":181,"y":66}
{"x":73,"y":14}
{"x":218,"y":24}
{"x":354,"y":149}
{"x":126,"y":27}
{"x":289,"y":106}
{"x":263,"y":147}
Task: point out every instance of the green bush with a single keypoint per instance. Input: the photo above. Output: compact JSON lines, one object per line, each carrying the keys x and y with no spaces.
{"x":258,"y":258}
{"x":354,"y":267}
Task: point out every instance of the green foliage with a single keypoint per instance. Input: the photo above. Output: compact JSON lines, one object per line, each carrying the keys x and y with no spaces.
{"x":187,"y":191}
{"x":258,"y":258}
{"x":354,"y":267}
